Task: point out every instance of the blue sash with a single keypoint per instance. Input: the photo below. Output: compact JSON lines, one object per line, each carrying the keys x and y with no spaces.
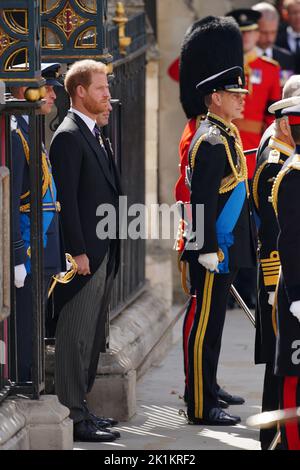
{"x":47,"y":219}
{"x":227,"y":221}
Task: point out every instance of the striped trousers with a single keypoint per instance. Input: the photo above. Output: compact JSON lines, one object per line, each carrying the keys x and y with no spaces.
{"x":204,"y":342}
{"x":79,"y":340}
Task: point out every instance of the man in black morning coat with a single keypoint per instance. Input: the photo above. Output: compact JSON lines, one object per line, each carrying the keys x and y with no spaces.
{"x":86,"y":177}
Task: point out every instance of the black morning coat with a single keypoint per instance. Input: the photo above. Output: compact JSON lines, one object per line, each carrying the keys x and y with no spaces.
{"x":84,"y":180}
{"x":211,"y":166}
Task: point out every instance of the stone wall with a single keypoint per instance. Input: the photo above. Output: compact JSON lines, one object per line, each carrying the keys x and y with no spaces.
{"x":174,"y":17}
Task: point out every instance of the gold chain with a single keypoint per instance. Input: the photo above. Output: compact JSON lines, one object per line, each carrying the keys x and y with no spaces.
{"x":255,"y":183}
{"x":47,"y":180}
{"x":238,"y":174}
{"x":195,"y":150}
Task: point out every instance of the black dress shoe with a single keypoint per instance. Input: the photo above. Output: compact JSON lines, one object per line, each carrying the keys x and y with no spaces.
{"x":86,"y":431}
{"x":230,"y":399}
{"x":111,"y":431}
{"x":222,"y":403}
{"x":102,"y":427}
{"x":217,"y":417}
{"x":103,"y":422}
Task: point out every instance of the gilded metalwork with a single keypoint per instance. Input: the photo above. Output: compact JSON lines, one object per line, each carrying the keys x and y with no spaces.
{"x":120,"y":19}
{"x":68,"y":20}
{"x":49,"y":5}
{"x":86,"y":35}
{"x":10,"y":65}
{"x":74,"y":29}
{"x":5,"y":41}
{"x":50,"y":40}
{"x":90,"y":6}
{"x":10,"y":18}
{"x":20,"y":42}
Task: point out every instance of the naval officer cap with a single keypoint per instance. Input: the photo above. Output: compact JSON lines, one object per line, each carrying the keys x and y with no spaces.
{"x":246,"y":18}
{"x":230,"y":80}
{"x":278,"y":107}
{"x":51,"y":73}
{"x":293,"y":113}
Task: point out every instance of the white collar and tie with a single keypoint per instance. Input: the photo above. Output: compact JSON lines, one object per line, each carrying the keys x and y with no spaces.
{"x":265,"y":52}
{"x":93,"y":127}
{"x":293,"y":39}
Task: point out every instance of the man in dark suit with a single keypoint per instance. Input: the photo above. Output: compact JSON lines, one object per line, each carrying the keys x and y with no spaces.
{"x":289,"y":37}
{"x":53,"y":257}
{"x":268,"y":27}
{"x":86,"y":177}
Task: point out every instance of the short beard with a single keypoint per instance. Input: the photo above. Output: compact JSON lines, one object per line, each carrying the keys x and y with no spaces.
{"x":92,"y":107}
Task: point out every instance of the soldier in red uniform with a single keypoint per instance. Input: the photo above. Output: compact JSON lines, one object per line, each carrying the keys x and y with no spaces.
{"x":263,"y":82}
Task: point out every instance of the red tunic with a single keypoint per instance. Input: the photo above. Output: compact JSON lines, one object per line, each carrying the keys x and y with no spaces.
{"x":181,"y":192}
{"x":263,"y":82}
{"x":173,"y":70}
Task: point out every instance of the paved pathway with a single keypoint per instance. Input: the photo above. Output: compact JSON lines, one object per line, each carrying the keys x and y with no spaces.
{"x":157,"y":424}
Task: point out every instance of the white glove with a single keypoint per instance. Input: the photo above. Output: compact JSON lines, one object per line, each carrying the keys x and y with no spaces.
{"x":295,"y":309}
{"x":20,"y":275}
{"x":210,"y":261}
{"x":271,"y":298}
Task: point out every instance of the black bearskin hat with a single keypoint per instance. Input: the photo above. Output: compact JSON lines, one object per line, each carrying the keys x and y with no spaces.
{"x":210,"y":45}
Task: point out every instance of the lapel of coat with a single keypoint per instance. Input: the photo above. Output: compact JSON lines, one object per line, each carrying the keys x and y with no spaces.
{"x":110,"y":153}
{"x":94,"y":146}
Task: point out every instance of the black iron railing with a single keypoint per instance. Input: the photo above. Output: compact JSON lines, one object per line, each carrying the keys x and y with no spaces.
{"x":33,"y":388}
{"x":129,"y":87}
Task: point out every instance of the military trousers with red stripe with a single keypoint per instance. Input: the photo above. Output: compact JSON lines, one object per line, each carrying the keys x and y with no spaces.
{"x":289,"y":394}
{"x":211,"y":292}
{"x":287,"y":365}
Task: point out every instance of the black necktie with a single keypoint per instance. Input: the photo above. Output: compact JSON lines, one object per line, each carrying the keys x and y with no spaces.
{"x":297,"y":52}
{"x":99,"y":138}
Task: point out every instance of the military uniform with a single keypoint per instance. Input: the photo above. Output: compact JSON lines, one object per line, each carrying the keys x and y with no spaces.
{"x":54,"y":258}
{"x":218,"y":167}
{"x":286,"y":193}
{"x":225,"y":50}
{"x":268,"y":166}
{"x":263,"y":82}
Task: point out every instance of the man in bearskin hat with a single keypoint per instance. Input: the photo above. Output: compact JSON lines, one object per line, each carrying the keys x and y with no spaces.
{"x":224,"y":38}
{"x":217,"y":177}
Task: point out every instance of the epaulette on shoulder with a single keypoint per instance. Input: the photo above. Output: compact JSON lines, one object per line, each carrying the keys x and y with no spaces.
{"x":274,"y":156}
{"x":295,"y":163}
{"x":213,"y":136}
{"x":270,"y":60}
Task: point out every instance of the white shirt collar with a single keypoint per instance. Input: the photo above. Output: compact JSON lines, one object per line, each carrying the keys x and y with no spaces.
{"x":88,"y":121}
{"x":292,"y":33}
{"x":268,"y":52}
{"x":26,"y":118}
